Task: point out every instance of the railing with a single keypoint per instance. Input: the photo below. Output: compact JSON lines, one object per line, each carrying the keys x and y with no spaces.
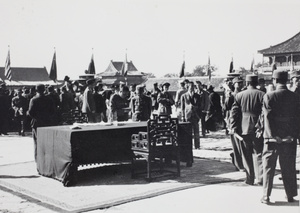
{"x":282,"y":67}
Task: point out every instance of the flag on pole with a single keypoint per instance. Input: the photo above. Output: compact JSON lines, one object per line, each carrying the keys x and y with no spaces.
{"x":208,"y":69}
{"x":91,"y":69}
{"x":252,"y":64}
{"x":53,"y":70}
{"x":181,"y":74}
{"x":231,"y":66}
{"x":292,"y":63}
{"x":125,"y":68}
{"x":7,"y":69}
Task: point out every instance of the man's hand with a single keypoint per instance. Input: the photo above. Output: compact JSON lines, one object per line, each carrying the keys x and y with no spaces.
{"x":258,"y":133}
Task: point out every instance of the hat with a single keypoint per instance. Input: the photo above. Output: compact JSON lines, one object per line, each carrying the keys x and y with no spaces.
{"x":210,"y":88}
{"x":67,"y":78}
{"x":186,"y":81}
{"x":90,"y":81}
{"x":166,"y":84}
{"x":199,"y":82}
{"x":251,"y":78}
{"x":40,"y":88}
{"x":281,"y":75}
{"x":237,"y":80}
{"x":295,"y":74}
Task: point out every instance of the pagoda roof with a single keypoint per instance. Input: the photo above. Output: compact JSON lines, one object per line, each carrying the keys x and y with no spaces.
{"x":115,"y":68}
{"x":289,"y":46}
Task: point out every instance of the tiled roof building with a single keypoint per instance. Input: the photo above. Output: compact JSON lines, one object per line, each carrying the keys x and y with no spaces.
{"x":286,"y":55}
{"x":26,"y":76}
{"x":118,"y":71}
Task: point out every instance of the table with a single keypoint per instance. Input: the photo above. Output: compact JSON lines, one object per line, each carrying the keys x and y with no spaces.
{"x":61,"y":149}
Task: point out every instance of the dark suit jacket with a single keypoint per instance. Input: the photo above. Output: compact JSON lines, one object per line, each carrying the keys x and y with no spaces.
{"x":246,"y":110}
{"x":281,"y":112}
{"x":41,"y":109}
{"x":191,"y":106}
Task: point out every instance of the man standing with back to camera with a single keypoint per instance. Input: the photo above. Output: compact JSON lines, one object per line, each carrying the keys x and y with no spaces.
{"x":41,"y":110}
{"x":245,"y":114}
{"x":281,"y":118}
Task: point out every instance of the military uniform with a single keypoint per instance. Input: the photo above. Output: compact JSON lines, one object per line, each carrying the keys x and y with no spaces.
{"x":165,"y":101}
{"x":281,"y":118}
{"x":245,"y":114}
{"x":140,"y":106}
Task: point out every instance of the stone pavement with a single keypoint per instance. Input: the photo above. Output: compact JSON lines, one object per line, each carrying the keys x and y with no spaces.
{"x":224,"y":197}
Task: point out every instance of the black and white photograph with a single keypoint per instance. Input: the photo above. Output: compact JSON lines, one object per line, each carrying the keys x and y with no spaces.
{"x":139,"y":106}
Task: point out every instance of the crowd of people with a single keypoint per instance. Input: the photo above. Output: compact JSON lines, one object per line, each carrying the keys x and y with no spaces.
{"x":263,"y":122}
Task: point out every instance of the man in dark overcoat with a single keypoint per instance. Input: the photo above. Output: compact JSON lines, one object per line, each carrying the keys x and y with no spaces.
{"x":245,"y":114}
{"x":281,"y":119}
{"x":41,"y":110}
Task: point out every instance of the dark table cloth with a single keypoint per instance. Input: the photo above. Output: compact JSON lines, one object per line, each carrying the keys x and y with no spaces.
{"x":61,"y":149}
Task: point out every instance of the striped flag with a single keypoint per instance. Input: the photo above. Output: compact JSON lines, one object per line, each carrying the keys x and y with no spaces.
{"x":53,"y":70}
{"x":181,"y":74}
{"x":7,"y":69}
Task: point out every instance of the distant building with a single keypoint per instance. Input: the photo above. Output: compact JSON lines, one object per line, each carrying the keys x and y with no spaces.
{"x":26,"y":76}
{"x":286,"y":55}
{"x":118,"y":71}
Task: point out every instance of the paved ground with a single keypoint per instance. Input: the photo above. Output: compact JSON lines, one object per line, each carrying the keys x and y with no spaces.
{"x":224,"y":197}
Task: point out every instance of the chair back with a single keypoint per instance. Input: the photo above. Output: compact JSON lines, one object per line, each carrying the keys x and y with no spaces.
{"x":162,"y":132}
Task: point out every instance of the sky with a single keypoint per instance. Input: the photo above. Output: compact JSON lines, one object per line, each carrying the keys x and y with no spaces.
{"x":157,"y":35}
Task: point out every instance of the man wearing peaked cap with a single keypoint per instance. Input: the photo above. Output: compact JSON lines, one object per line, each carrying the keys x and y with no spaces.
{"x":165,"y":100}
{"x":166,"y":84}
{"x":252,"y":78}
{"x":281,"y":130}
{"x":245,"y":114}
{"x":154,"y":95}
{"x":237,"y":80}
{"x":140,"y":105}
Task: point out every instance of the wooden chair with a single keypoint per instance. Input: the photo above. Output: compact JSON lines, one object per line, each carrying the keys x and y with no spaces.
{"x":157,"y":146}
{"x":74,"y":116}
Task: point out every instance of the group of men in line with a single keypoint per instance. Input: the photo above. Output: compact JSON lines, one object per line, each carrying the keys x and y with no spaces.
{"x":265,"y":126}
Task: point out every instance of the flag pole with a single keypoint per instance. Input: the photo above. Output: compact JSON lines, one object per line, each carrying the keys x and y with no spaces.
{"x":56,"y":72}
